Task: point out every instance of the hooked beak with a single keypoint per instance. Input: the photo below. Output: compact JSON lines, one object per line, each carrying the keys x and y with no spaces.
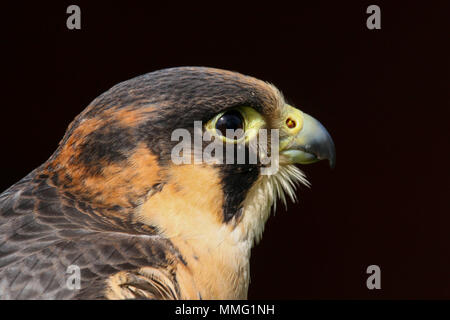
{"x":305,"y":140}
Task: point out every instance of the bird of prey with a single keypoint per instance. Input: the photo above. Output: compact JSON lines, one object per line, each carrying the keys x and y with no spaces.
{"x":111,"y":207}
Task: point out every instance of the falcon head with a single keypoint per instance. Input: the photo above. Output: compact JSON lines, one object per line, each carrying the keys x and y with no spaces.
{"x":117,"y":157}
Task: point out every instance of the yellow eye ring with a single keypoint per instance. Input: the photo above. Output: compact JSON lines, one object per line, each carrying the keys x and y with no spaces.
{"x":253,"y":121}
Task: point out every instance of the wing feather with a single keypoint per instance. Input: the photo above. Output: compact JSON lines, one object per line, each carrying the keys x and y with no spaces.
{"x":44,"y":231}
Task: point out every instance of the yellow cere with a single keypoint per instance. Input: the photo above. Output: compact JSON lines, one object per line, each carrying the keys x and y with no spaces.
{"x":290,"y":123}
{"x":294,"y":120}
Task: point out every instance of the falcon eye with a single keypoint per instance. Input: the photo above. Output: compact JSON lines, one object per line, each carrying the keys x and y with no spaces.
{"x":231,"y":120}
{"x":242,"y":122}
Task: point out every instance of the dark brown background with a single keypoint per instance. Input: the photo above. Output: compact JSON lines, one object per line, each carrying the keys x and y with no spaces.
{"x":382,"y":94}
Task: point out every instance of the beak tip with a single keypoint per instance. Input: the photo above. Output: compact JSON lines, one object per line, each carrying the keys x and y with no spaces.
{"x":328,"y":152}
{"x":332,"y":154}
{"x":332,"y":163}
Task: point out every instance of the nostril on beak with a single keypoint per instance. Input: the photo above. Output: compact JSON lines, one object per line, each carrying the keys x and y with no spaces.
{"x":290,"y":123}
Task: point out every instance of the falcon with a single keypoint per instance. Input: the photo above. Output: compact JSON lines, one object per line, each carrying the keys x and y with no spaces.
{"x":111,"y":216}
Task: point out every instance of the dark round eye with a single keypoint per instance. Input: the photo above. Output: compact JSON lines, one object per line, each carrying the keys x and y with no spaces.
{"x":230,"y":120}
